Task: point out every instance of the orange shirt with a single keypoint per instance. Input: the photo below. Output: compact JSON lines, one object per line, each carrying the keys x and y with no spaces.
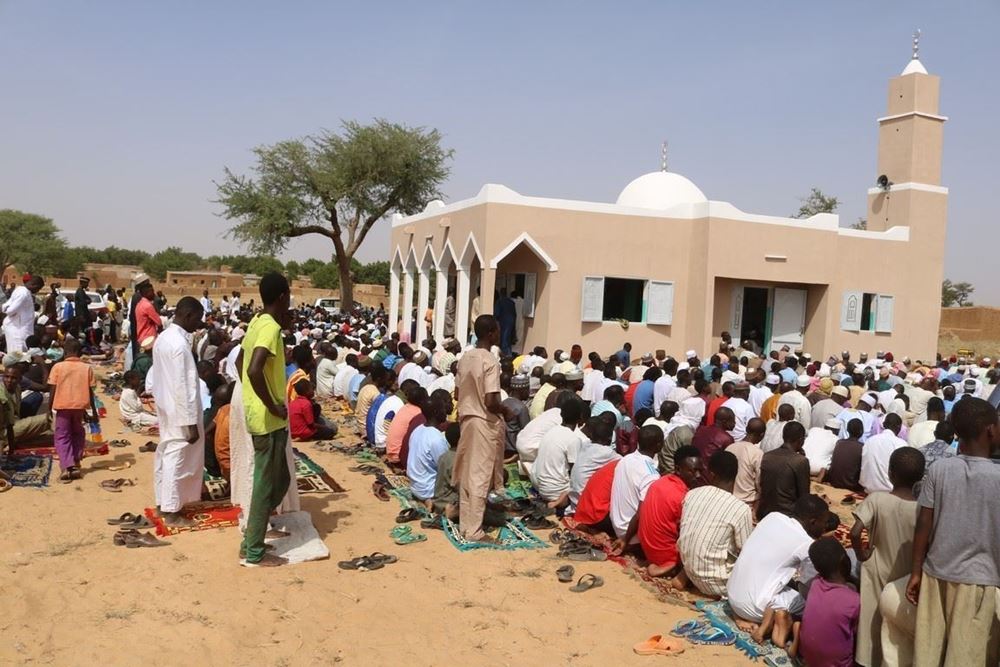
{"x":73,"y":379}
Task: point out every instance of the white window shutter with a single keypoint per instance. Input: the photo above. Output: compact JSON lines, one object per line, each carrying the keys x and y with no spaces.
{"x":530,"y":283}
{"x":592,"y":303}
{"x":736,"y":318}
{"x":850,"y":311}
{"x":883,"y":313}
{"x":660,"y":302}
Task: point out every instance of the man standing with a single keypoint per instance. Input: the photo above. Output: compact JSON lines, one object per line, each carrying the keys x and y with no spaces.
{"x":206,"y":303}
{"x":180,"y":457}
{"x":263,"y":372}
{"x":506,"y":315}
{"x":479,"y":459}
{"x":19,"y":310}
{"x":81,"y":306}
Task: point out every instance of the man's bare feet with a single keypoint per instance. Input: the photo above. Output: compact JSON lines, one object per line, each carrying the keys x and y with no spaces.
{"x":177,"y":520}
{"x":661,"y":570}
{"x":269,"y":560}
{"x":793,"y":650}
{"x":274,"y":534}
{"x":762,"y":632}
{"x":782,"y":628}
{"x":680,"y":581}
{"x":745,"y":625}
{"x":488,"y":539}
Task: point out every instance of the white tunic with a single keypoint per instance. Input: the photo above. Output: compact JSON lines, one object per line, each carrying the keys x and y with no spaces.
{"x":178,"y":465}
{"x":20,"y":320}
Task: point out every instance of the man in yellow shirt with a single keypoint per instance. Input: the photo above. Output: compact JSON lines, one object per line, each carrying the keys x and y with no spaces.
{"x":262,"y":365}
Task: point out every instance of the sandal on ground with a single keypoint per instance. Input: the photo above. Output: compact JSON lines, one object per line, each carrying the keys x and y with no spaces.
{"x":115,"y":485}
{"x":408,"y":537}
{"x":361,"y":564}
{"x":691,"y":626}
{"x":407,"y":515}
{"x":5,"y":484}
{"x":75,"y":473}
{"x":712,"y":636}
{"x":148,"y":447}
{"x":385,"y":559}
{"x":561,"y":535}
{"x":380,"y":492}
{"x":538,"y":523}
{"x":432,"y":522}
{"x":586,"y":582}
{"x":565,"y":574}
{"x":590,"y":554}
{"x":119,"y":443}
{"x":659,"y":645}
{"x":125,"y":518}
{"x":66,"y":477}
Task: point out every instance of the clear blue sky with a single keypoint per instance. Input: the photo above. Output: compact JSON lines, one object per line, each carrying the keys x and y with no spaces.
{"x":117,"y":116}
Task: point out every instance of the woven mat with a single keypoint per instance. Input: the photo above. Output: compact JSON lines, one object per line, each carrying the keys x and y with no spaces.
{"x":637,"y":569}
{"x":717,"y":614}
{"x":32,"y":471}
{"x":89,"y":450}
{"x":518,"y":487}
{"x":205,"y":515}
{"x":843,"y":535}
{"x":216,"y":488}
{"x":310,"y":477}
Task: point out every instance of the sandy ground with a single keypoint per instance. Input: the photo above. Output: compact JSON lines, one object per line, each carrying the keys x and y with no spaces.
{"x":72,"y":598}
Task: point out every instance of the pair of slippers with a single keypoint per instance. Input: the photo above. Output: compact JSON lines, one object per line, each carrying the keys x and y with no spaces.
{"x":585,"y":583}
{"x":115,"y":485}
{"x":581,"y":550}
{"x":130,"y":521}
{"x":119,"y":443}
{"x":403,"y":535}
{"x":699,"y":631}
{"x":375,"y":561}
{"x":368,"y":469}
{"x":409,"y":514}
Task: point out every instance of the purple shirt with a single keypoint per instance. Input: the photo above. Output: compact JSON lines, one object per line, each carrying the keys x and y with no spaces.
{"x":829,"y":624}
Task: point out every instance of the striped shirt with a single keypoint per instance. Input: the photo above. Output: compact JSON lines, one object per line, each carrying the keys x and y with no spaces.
{"x":714,"y":526}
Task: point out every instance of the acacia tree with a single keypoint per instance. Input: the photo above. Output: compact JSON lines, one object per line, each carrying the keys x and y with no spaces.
{"x":30,"y":242}
{"x":816,"y":202}
{"x":956,"y":294}
{"x":334,"y":185}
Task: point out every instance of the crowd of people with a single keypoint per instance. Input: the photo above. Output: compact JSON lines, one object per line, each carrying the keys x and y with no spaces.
{"x":704,"y":469}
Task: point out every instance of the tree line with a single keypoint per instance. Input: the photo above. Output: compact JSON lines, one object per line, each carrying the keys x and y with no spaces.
{"x":33,"y":243}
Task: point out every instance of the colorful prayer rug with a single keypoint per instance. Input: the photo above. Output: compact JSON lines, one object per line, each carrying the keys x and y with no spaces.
{"x":513,"y":535}
{"x":718,"y":615}
{"x":517,"y":486}
{"x":310,"y":477}
{"x":89,"y":450}
{"x":32,"y":471}
{"x":843,"y":535}
{"x":205,"y":515}
{"x":217,"y":488}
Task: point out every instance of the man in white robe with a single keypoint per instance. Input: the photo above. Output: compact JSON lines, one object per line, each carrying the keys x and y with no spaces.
{"x":19,"y":311}
{"x":179,"y":461}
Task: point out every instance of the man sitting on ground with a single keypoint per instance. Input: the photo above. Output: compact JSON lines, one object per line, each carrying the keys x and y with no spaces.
{"x":427,"y":445}
{"x":593,"y":454}
{"x":784,"y":473}
{"x":748,"y":455}
{"x":876,"y":453}
{"x":761,"y":589}
{"x":715,"y":524}
{"x":845,"y":464}
{"x":133,"y":410}
{"x":557,"y":452}
{"x":632,"y":479}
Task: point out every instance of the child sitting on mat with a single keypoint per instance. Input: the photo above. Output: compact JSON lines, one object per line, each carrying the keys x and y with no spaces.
{"x":304,"y":415}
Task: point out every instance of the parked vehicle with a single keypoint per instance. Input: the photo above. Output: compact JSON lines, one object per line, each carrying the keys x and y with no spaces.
{"x":97,"y":304}
{"x":328,"y":303}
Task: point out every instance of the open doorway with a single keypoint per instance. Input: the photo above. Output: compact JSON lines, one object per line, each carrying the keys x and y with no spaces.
{"x":753,"y":320}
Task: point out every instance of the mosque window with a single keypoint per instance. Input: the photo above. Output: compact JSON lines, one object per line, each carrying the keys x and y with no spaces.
{"x":611,"y":299}
{"x":867,"y":311}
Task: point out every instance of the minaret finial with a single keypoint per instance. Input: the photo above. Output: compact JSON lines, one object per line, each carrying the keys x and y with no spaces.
{"x":916,"y":45}
{"x":663,"y":156}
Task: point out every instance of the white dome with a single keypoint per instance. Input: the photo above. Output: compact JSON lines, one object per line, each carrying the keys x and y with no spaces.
{"x":433,"y":204}
{"x":660,"y":190}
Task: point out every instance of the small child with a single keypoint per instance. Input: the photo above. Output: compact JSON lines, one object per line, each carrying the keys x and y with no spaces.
{"x":220,"y":427}
{"x":890,"y":519}
{"x":830,"y":618}
{"x":302,"y":415}
{"x":133,"y":410}
{"x":72,"y":385}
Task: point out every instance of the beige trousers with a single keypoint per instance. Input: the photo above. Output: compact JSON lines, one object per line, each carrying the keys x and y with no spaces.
{"x":478,"y":469}
{"x":899,"y":622}
{"x":957,"y":625}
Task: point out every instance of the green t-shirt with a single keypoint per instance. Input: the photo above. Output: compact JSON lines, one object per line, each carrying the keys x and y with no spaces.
{"x":264,"y":332}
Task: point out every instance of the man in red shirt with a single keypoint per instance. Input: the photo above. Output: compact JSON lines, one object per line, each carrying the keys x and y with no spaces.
{"x":718,"y":402}
{"x":715,"y":436}
{"x":658,"y":518}
{"x":594,"y":507}
{"x":147,"y":320}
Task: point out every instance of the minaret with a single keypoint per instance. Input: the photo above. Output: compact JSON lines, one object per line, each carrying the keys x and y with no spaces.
{"x":909,"y":156}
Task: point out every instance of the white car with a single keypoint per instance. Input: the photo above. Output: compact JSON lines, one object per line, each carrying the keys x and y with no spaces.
{"x":97,"y":304}
{"x":330,"y":304}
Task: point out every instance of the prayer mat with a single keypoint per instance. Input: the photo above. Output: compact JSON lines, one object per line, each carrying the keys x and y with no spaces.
{"x":717,"y":614}
{"x":303,"y":544}
{"x":518,"y":487}
{"x":397,"y":481}
{"x":205,"y":515}
{"x":89,"y":450}
{"x":310,"y":477}
{"x":28,"y":470}
{"x":637,"y":569}
{"x":514,"y":535}
{"x":843,"y":535}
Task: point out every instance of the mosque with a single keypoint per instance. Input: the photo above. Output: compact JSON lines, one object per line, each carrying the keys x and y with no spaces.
{"x":670,"y":283}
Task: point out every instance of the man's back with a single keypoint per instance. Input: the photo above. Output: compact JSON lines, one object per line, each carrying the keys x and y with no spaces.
{"x":845,"y":465}
{"x":784,"y":478}
{"x":875,"y":461}
{"x":478,"y":375}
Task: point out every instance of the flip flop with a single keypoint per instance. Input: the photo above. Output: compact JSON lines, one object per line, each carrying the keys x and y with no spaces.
{"x":594,"y":555}
{"x":538,"y":523}
{"x":713,"y":636}
{"x":380,"y":492}
{"x":380,"y":557}
{"x":565,"y":574}
{"x":586,"y":582}
{"x":148,"y":447}
{"x":560,"y":535}
{"x":361,"y":564}
{"x":685,"y":628}
{"x":410,"y":538}
{"x":407,"y":515}
{"x":5,"y":485}
{"x":432,"y":522}
{"x":119,"y":443}
{"x":126,"y":518}
{"x":658,"y":645}
{"x":139,"y":522}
